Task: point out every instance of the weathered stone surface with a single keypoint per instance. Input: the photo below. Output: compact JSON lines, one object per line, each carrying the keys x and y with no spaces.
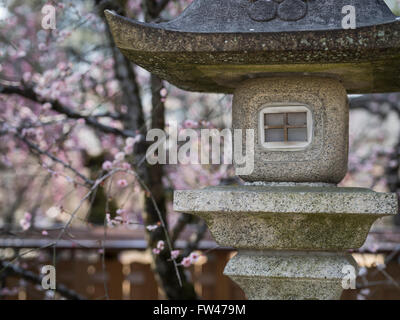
{"x":325,"y":159}
{"x":214,"y":46}
{"x":292,"y":10}
{"x":272,"y":275}
{"x":263,"y":10}
{"x":214,"y":16}
{"x":299,"y":218}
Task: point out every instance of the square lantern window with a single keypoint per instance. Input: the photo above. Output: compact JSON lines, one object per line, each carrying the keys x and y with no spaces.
{"x":285,"y":127}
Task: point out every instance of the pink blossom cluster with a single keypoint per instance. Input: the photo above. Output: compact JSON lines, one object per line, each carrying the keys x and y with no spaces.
{"x":191,"y":259}
{"x":160,"y":247}
{"x":121,"y":218}
{"x":26,"y":221}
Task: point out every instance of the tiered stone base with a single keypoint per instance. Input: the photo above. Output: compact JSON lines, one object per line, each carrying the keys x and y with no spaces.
{"x":287,"y":218}
{"x":292,"y":275}
{"x":291,"y":239}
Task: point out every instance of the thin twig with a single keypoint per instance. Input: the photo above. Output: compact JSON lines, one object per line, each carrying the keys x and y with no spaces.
{"x":160,"y":217}
{"x":36,"y":148}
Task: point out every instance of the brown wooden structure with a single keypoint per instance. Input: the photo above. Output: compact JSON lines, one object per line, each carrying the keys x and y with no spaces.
{"x":127,"y":269}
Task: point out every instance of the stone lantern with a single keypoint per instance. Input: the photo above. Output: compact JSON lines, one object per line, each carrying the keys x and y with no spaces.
{"x":290,"y":65}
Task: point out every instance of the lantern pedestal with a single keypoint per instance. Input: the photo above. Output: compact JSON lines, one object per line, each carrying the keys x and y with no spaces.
{"x":291,"y":275}
{"x":291,"y":239}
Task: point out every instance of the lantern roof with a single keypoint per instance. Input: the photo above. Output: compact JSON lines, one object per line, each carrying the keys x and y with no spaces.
{"x":214,"y":45}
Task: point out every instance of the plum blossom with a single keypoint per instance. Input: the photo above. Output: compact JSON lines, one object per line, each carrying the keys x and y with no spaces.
{"x":126,"y":166}
{"x":194,"y":257}
{"x":186,"y":262}
{"x":46,"y":106}
{"x":152,"y":227}
{"x":160,"y":245}
{"x":190,"y":124}
{"x":156,"y":251}
{"x":175,"y":254}
{"x":107,"y":165}
{"x":25,"y":222}
{"x":26,"y":76}
{"x":53,"y":212}
{"x":120,"y":211}
{"x":109,"y":221}
{"x":122,"y":183}
{"x":42,"y":46}
{"x":206,"y":124}
{"x":191,"y":259}
{"x":163,"y":92}
{"x":119,"y":156}
{"x":21,"y":54}
{"x":128,"y":149}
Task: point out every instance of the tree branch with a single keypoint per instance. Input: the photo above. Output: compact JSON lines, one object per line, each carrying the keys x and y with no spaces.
{"x":36,"y":148}
{"x":30,"y":94}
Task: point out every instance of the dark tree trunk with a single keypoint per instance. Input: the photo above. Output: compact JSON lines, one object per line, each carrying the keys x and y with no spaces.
{"x":152,"y":175}
{"x":163,"y":266}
